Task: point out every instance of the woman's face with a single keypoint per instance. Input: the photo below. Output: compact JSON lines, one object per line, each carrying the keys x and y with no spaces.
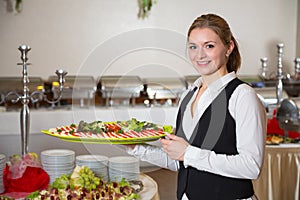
{"x":207,"y":52}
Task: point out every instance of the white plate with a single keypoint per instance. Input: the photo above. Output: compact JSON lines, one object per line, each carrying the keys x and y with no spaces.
{"x":58,"y":153}
{"x":57,"y":157}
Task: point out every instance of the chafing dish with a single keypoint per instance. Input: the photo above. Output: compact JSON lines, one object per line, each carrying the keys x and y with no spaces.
{"x":167,"y":89}
{"x":288,"y":114}
{"x":15,"y":84}
{"x":8,"y":84}
{"x":80,"y":88}
{"x":119,"y":90}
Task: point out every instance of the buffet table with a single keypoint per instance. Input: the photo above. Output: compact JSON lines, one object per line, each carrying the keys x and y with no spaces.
{"x":149,"y":192}
{"x":280,"y":176}
{"x":43,"y":119}
{"x":279,"y":179}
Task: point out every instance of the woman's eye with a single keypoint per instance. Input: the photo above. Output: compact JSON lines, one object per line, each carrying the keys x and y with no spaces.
{"x":192,"y":47}
{"x":209,"y":46}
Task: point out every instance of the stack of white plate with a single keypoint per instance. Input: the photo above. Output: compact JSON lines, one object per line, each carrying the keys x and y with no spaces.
{"x":126,"y":167}
{"x":2,"y":166}
{"x":97,"y":163}
{"x":57,"y":162}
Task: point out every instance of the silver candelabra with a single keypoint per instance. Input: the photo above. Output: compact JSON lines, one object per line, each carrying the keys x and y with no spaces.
{"x":279,"y":86}
{"x":34,"y":97}
{"x":281,"y":78}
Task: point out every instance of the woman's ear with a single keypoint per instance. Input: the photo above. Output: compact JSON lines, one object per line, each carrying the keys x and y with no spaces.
{"x":230,"y":48}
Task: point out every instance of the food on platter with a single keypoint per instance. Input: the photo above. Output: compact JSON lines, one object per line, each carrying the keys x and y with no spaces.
{"x":130,"y":131}
{"x":274,"y":139}
{"x":117,"y":127}
{"x":83,"y":184}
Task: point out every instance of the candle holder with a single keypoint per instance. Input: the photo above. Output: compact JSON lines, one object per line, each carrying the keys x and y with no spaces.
{"x":33,"y":97}
{"x":279,"y":86}
{"x":264,"y":70}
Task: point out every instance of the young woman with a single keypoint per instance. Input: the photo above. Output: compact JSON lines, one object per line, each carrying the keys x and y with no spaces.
{"x":221,"y":124}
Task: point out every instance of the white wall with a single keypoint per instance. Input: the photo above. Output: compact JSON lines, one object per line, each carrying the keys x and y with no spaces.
{"x":298,"y":31}
{"x":105,"y":36}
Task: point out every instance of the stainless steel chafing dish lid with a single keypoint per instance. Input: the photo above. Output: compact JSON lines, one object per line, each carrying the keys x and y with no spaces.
{"x":164,"y":88}
{"x":120,"y":86}
{"x":288,"y":114}
{"x":77,"y":87}
{"x":8,"y":84}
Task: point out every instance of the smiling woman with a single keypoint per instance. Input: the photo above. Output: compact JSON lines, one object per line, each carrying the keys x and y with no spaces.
{"x":219,"y":143}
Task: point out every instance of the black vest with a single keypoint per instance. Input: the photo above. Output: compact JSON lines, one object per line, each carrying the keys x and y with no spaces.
{"x":215,"y":131}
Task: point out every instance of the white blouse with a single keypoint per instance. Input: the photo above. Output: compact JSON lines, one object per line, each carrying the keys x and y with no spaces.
{"x":250,"y":117}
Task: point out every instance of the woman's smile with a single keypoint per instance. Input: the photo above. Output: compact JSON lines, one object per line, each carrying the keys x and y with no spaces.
{"x":203,"y":63}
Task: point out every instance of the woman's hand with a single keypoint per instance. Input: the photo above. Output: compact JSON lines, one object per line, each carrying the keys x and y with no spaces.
{"x":175,"y":147}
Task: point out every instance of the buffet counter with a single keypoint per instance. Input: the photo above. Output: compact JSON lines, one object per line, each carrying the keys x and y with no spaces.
{"x":279,"y":179}
{"x":43,"y":119}
{"x":280,"y":176}
{"x":150,"y":190}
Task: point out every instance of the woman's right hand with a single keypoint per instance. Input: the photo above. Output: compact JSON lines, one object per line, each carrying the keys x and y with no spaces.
{"x":175,"y":147}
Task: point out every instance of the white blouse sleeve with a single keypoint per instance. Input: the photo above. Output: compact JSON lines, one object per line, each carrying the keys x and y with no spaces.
{"x":250,"y":118}
{"x":154,"y":155}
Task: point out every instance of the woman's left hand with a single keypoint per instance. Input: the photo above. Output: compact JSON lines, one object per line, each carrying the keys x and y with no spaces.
{"x":175,"y":147}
